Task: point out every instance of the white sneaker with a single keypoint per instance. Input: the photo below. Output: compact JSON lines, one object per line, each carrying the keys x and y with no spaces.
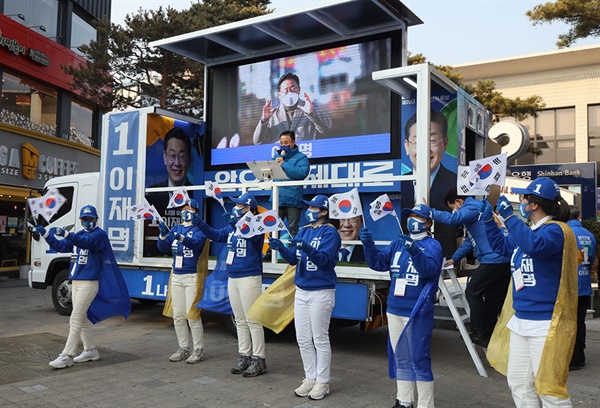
{"x":319,"y":391}
{"x":62,"y":361}
{"x":180,"y":355}
{"x":87,"y":355}
{"x":305,"y":388}
{"x":196,"y":356}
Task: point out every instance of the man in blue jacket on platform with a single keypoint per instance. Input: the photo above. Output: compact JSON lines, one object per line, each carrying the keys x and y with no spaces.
{"x":296,"y":167}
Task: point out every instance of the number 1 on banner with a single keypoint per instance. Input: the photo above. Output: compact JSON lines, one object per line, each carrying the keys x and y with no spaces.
{"x":123,"y":130}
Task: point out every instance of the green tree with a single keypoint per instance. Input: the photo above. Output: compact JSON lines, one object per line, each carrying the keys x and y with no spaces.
{"x":123,"y":70}
{"x":485,"y":92}
{"x":583,"y":16}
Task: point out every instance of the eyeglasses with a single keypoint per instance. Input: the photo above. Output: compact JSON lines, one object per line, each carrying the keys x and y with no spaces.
{"x":292,"y":88}
{"x":434,"y":142}
{"x":523,"y":197}
{"x":183,"y":159}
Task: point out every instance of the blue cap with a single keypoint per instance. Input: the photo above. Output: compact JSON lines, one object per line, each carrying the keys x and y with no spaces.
{"x":88,"y":211}
{"x":542,"y":187}
{"x":246,"y":199}
{"x":194,"y":204}
{"x":419,"y":209}
{"x":318,"y":201}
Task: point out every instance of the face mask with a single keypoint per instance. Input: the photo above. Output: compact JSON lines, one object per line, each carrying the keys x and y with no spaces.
{"x":524,"y":213}
{"x":289,"y":99}
{"x":312,"y":216}
{"x":88,"y":225}
{"x":186,"y":215}
{"x":238,"y":212}
{"x":415,"y":226}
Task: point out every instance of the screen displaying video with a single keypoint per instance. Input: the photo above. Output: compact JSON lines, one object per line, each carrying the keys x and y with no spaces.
{"x":326,"y":97}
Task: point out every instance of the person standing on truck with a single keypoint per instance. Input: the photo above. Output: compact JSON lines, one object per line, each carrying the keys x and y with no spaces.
{"x":315,"y":254}
{"x":302,"y":117}
{"x":540,"y":323}
{"x":244,"y":269}
{"x":586,"y":244}
{"x":186,"y":243}
{"x":414,"y":263}
{"x":296,"y":167}
{"x":488,"y":283}
{"x":98,"y":290}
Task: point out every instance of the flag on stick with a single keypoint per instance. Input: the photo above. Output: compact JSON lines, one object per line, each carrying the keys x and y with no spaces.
{"x":144,"y":211}
{"x":479,"y":177}
{"x":47,"y":205}
{"x":345,"y":205}
{"x":179,"y":198}
{"x":267,"y":222}
{"x":243,"y":228}
{"x":381,"y":207}
{"x":213,"y":190}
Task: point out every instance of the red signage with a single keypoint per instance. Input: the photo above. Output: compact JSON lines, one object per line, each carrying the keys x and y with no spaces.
{"x":28,"y":52}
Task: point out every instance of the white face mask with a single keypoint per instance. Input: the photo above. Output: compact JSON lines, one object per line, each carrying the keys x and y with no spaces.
{"x":289,"y":99}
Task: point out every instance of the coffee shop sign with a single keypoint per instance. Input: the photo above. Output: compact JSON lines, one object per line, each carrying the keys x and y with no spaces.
{"x":30,"y":164}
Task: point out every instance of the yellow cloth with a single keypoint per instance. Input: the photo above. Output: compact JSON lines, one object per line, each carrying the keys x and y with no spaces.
{"x":551,"y":378}
{"x":201,"y":274}
{"x":157,"y":128}
{"x":274,"y":308}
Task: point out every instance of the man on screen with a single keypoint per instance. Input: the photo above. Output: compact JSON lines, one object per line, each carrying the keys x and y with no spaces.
{"x":441,"y":179}
{"x":292,"y":114}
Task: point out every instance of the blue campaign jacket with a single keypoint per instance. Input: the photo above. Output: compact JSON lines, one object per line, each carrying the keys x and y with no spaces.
{"x":586,"y":243}
{"x":469,"y":216}
{"x":296,"y":167}
{"x":538,"y":253}
{"x":190,"y":249}
{"x":247,"y":259}
{"x":315,"y":272}
{"x":93,"y":259}
{"x":418,"y":270}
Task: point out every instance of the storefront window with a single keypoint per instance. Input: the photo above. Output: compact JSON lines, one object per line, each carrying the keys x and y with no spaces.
{"x":82,"y":33}
{"x":28,"y":104}
{"x":13,"y":235}
{"x":81,"y":123}
{"x":40,"y":15}
{"x":594,"y":133}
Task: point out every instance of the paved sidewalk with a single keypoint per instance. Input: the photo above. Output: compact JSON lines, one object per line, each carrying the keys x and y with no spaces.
{"x":135,"y":371}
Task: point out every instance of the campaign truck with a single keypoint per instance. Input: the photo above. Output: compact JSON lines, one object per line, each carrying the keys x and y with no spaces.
{"x":363,"y":117}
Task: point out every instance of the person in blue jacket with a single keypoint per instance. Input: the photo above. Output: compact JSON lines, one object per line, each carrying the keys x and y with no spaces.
{"x":586,"y":243}
{"x":414,"y":263}
{"x":296,"y":167}
{"x":314,"y":251}
{"x":93,"y":267}
{"x":488,"y":283}
{"x":186,"y":243}
{"x":244,"y":269}
{"x":537,"y":275}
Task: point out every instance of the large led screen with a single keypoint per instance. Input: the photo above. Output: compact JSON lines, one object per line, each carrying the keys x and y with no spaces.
{"x":326,"y":97}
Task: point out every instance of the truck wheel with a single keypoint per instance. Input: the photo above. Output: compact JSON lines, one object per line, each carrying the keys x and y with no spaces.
{"x":61,"y":293}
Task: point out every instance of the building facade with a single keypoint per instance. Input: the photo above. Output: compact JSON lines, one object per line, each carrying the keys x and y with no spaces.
{"x":567,"y":130}
{"x":46,"y":128}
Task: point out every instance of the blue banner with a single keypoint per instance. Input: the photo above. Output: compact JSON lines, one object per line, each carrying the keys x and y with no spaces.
{"x":119,"y":172}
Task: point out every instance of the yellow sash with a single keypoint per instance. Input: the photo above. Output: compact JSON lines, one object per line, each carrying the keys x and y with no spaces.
{"x":274,"y":308}
{"x":201,"y":274}
{"x":551,"y":378}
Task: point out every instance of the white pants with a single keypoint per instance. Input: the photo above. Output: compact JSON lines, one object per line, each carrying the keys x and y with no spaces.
{"x":183,"y":293}
{"x":243,"y":292}
{"x":523,"y":363}
{"x":83,"y":293}
{"x":312,"y":313}
{"x":406,"y":389}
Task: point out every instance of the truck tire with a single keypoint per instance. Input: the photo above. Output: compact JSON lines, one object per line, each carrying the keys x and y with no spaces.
{"x":61,"y":293}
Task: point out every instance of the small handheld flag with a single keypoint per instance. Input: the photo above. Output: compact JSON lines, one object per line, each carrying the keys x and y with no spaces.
{"x":243,"y":228}
{"x":267,"y":222}
{"x":213,"y":190}
{"x":345,"y":205}
{"x":47,"y":205}
{"x":179,"y":198}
